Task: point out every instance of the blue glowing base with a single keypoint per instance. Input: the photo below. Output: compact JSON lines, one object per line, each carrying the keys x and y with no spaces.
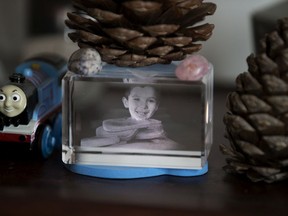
{"x":131,"y":173}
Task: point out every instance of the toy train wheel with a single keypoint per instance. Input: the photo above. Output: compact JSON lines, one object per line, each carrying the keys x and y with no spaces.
{"x":45,"y":142}
{"x":57,"y":130}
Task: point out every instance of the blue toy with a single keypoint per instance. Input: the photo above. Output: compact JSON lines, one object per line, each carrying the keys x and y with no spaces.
{"x":30,"y":104}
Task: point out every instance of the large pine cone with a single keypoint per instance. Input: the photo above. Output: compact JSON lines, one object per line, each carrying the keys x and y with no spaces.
{"x":139,"y":32}
{"x":257,"y":123}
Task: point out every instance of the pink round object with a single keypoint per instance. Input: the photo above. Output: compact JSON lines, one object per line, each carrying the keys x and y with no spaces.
{"x":193,"y":68}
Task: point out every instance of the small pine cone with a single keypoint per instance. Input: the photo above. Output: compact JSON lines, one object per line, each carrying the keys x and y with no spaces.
{"x":257,"y":121}
{"x":137,"y":32}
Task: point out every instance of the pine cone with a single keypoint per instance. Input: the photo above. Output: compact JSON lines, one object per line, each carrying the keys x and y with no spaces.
{"x":139,"y":32}
{"x":257,"y":121}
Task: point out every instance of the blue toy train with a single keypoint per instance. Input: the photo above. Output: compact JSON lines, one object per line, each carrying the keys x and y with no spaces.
{"x":30,"y":104}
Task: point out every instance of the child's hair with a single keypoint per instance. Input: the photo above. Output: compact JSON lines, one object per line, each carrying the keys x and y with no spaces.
{"x":131,"y":87}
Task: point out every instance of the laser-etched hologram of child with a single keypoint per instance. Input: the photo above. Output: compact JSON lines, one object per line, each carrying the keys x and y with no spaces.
{"x":139,"y":130}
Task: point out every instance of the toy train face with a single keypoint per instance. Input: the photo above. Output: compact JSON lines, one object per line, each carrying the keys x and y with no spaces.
{"x":18,"y":100}
{"x":30,"y":102}
{"x":13,"y":100}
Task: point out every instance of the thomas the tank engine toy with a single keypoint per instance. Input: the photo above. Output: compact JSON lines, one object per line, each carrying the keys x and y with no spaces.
{"x":30,"y":104}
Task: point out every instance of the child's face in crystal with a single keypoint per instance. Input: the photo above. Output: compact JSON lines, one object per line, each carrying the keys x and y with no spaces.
{"x":142,"y":102}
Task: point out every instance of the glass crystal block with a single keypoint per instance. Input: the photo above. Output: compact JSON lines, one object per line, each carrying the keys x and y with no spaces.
{"x":140,"y":121}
